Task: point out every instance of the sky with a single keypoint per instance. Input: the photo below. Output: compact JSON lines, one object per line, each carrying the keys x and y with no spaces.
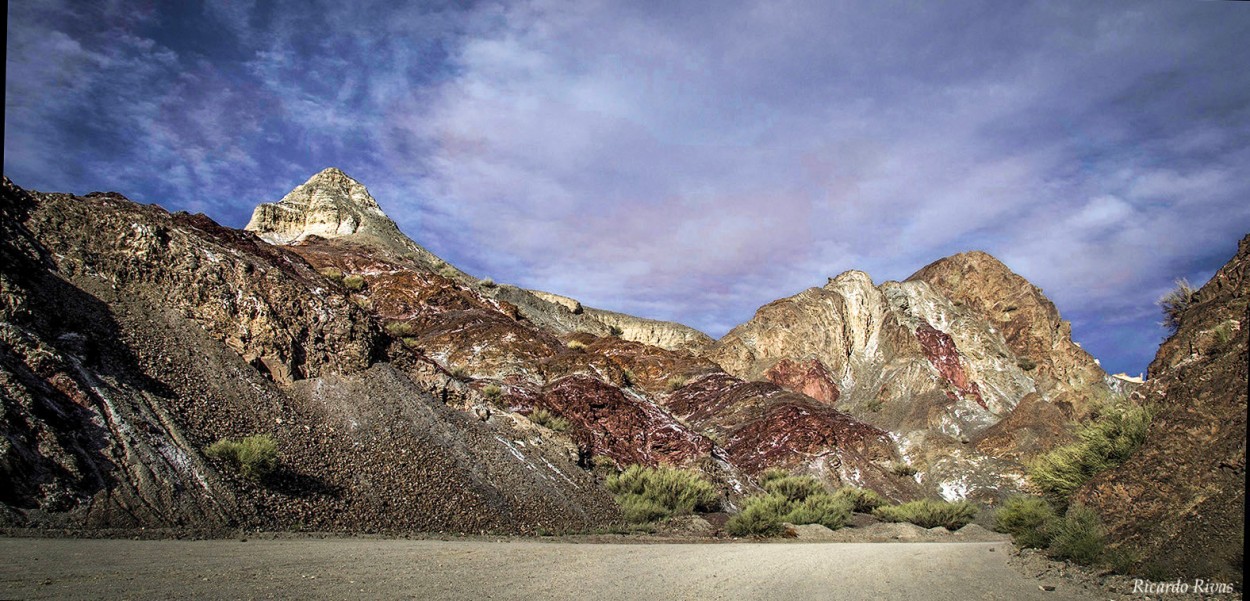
{"x":681,"y":161}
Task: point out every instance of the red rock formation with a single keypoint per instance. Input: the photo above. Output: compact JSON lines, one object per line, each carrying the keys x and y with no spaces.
{"x":805,"y":377}
{"x":940,"y":350}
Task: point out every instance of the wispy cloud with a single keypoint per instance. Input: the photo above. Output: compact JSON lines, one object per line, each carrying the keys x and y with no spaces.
{"x":682,"y":161}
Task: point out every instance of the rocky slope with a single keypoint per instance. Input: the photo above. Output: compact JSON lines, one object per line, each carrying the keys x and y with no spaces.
{"x":130,"y":338}
{"x":966,"y":364}
{"x":1180,"y":500}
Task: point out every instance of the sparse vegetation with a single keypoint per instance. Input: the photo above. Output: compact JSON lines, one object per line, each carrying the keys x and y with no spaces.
{"x":860,"y":500}
{"x":410,"y":342}
{"x":615,"y":331}
{"x":1224,"y":331}
{"x":401,"y":329}
{"x":492,"y":391}
{"x":902,"y":469}
{"x":1026,"y":364}
{"x":793,"y":488}
{"x":650,"y":493}
{"x":874,"y":405}
{"x":549,"y":420}
{"x":676,"y":382}
{"x":760,"y":516}
{"x":789,"y":498}
{"x":255,"y":457}
{"x":459,"y":373}
{"x":628,"y":379}
{"x":1079,"y":537}
{"x":354,"y":282}
{"x":930,"y":513}
{"x":487,"y":283}
{"x":1175,"y":302}
{"x":1029,"y":520}
{"x":332,"y":274}
{"x":1106,"y":442}
{"x":576,"y":345}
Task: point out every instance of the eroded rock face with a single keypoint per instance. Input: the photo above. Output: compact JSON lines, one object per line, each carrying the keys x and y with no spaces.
{"x":1180,"y":500}
{"x":132,"y":338}
{"x":935,"y":371}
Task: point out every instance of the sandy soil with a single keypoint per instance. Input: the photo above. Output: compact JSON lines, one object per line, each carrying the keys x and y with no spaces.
{"x":355,"y":568}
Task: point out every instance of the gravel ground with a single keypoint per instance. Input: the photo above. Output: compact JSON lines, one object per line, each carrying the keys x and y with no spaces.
{"x":355,"y":568}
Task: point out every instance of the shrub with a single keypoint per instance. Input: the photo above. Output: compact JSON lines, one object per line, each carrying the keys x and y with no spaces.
{"x":401,"y":329}
{"x":459,"y":373}
{"x":822,"y":508}
{"x":1104,"y":443}
{"x":615,"y":331}
{"x":674,"y":491}
{"x":1079,"y":537}
{"x":1174,"y":304}
{"x":860,"y":500}
{"x":676,"y":382}
{"x":332,"y":274}
{"x":487,"y":283}
{"x":1026,"y":364}
{"x":492,"y":391}
{"x":628,"y":379}
{"x":930,"y":513}
{"x":255,"y":457}
{"x":760,"y":516}
{"x":354,"y":282}
{"x":793,"y":488}
{"x":576,"y":345}
{"x":902,"y":468}
{"x":549,"y":420}
{"x":1029,"y":520}
{"x":410,"y":342}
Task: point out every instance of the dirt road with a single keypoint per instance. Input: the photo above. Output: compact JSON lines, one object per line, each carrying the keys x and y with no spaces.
{"x":526,"y":569}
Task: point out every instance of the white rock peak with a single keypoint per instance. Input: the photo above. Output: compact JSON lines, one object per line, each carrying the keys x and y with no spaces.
{"x":331,"y":204}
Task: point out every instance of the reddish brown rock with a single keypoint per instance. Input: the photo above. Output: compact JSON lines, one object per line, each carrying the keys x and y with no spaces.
{"x":1180,"y":501}
{"x":940,"y":350}
{"x":808,"y":377}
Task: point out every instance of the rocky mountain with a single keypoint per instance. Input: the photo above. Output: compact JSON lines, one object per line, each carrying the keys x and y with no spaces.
{"x":1180,"y":501}
{"x":965,"y":363}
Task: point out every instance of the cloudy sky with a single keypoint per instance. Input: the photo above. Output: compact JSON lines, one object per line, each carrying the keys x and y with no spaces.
{"x":685,"y":161}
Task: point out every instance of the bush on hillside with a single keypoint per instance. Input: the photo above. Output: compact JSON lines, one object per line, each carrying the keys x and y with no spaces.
{"x":930,"y":513}
{"x":860,"y":500}
{"x":1175,"y":302}
{"x":1079,"y":537}
{"x":354,"y":282}
{"x":549,"y":420}
{"x":639,"y":490}
{"x":760,"y":516}
{"x":255,"y":457}
{"x":1104,"y":443}
{"x":793,"y":488}
{"x":1029,"y":520}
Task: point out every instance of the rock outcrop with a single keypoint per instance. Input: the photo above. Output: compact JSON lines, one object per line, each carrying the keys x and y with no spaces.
{"x":1180,"y":501}
{"x":942,"y":366}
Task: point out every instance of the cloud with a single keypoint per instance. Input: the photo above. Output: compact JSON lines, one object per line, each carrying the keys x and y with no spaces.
{"x":682,"y":161}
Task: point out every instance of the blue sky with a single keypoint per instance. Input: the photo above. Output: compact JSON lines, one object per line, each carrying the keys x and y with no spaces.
{"x":685,"y":161}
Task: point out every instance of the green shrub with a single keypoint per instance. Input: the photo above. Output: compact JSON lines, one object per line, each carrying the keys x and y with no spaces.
{"x":824,"y":509}
{"x":794,"y":488}
{"x":930,"y":513}
{"x":903,"y":469}
{"x":354,"y":282}
{"x":549,"y":420}
{"x":638,"y":509}
{"x":487,"y":283}
{"x":401,"y":329}
{"x":675,"y":491}
{"x":1029,"y":520}
{"x":770,"y":474}
{"x":760,"y":516}
{"x":492,"y":391}
{"x":576,"y":345}
{"x":615,"y":331}
{"x":255,"y":457}
{"x":860,"y":500}
{"x":1079,"y":537}
{"x":332,"y":274}
{"x":676,"y":382}
{"x":1104,"y":443}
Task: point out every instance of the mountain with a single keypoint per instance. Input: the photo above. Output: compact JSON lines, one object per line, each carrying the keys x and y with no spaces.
{"x":1180,"y":501}
{"x":965,"y":363}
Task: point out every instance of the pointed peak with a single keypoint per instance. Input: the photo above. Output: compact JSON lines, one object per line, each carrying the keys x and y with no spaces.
{"x":851,"y":277}
{"x":973,"y":260}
